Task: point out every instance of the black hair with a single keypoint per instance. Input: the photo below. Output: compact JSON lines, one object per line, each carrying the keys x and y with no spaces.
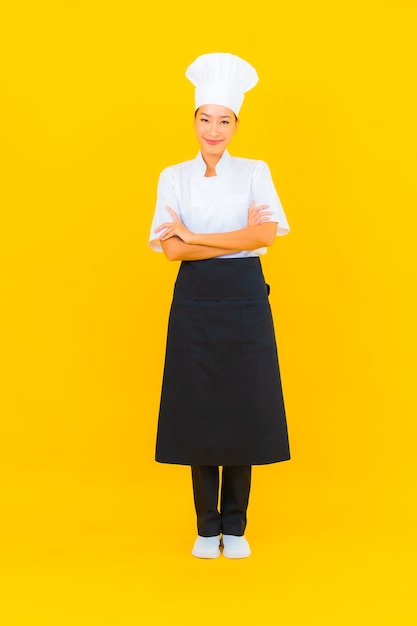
{"x":197,"y":110}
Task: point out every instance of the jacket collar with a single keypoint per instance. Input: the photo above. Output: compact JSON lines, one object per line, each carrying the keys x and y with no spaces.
{"x":221,"y":167}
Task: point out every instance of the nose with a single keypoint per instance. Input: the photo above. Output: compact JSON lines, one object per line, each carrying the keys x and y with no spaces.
{"x":213,"y":131}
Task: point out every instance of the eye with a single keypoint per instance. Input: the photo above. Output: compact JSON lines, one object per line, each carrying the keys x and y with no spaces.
{"x":203,"y":119}
{"x":225,"y":122}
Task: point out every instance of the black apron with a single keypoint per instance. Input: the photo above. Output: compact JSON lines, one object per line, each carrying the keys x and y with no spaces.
{"x":221,"y":401}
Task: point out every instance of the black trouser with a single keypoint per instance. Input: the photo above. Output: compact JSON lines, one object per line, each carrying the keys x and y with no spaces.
{"x":234,"y":498}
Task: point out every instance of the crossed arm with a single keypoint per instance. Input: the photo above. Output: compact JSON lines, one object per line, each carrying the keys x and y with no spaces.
{"x":180,"y":244}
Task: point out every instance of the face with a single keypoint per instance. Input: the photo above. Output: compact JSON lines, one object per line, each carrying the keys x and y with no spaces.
{"x":214,"y":127}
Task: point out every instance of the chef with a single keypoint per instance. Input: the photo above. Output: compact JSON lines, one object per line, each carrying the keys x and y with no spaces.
{"x":221,"y":402}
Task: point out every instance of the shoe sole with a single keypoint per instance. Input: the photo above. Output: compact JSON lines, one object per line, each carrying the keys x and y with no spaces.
{"x":206,"y":556}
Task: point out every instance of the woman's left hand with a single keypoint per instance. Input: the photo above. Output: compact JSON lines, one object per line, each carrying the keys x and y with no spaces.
{"x":258,"y":214}
{"x":174,"y":229}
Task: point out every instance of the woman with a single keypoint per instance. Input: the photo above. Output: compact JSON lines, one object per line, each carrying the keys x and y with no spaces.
{"x":221,"y":401}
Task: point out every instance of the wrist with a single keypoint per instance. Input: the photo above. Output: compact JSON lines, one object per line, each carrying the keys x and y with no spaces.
{"x":192,"y":238}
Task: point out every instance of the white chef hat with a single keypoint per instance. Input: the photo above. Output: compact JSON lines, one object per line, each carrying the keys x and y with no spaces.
{"x":221,"y":78}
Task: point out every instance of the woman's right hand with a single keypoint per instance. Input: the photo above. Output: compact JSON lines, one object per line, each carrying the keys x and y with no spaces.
{"x":258,"y":214}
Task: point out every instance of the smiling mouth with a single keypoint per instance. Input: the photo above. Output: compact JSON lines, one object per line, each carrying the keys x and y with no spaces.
{"x":213,"y":142}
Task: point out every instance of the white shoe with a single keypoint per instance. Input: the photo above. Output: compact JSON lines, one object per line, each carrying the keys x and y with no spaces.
{"x":235,"y":547}
{"x":206,"y":547}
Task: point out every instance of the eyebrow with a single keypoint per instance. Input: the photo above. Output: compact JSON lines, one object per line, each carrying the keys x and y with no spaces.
{"x":208,"y":115}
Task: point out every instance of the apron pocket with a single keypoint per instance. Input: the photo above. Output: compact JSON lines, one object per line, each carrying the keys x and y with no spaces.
{"x":186,"y":327}
{"x":258,"y":328}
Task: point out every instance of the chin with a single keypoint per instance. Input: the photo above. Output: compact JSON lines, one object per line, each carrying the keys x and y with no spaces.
{"x":215,"y":149}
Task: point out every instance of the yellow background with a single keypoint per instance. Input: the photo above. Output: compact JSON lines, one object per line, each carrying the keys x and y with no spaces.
{"x":94,"y":105}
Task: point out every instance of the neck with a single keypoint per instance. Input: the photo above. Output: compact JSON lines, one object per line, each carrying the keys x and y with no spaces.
{"x":211,"y":161}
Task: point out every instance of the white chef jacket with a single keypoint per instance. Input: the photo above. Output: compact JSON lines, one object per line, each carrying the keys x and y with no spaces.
{"x":216,"y":204}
